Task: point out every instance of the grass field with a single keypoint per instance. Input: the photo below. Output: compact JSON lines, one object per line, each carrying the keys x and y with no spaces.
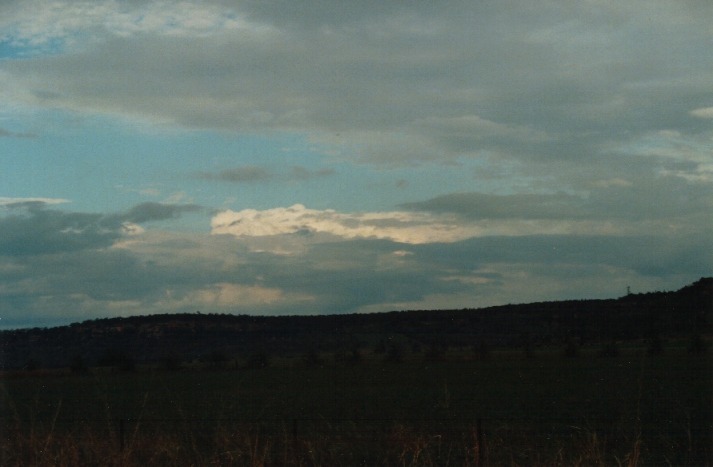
{"x":632,"y":409}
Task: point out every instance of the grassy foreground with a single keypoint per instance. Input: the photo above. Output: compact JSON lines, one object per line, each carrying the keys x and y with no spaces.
{"x":632,"y":409}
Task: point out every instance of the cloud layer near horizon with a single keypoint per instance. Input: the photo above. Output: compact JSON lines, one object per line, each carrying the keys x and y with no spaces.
{"x":297,"y":260}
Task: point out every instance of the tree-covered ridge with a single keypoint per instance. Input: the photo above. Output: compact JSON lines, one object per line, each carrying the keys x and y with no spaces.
{"x":185,"y":337}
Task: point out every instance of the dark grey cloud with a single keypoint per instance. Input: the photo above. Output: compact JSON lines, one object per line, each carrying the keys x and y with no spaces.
{"x":646,"y":255}
{"x":146,"y":212}
{"x":13,"y":134}
{"x":250,"y":174}
{"x":31,"y":229}
{"x":40,"y":231}
{"x":654,"y":198}
{"x":646,"y":198}
{"x":302,"y":173}
{"x":29,"y":203}
{"x":245,"y":174}
{"x":518,"y":206}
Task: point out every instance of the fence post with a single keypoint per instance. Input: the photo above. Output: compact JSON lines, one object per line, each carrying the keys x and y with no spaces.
{"x":121,"y":435}
{"x":479,"y":440}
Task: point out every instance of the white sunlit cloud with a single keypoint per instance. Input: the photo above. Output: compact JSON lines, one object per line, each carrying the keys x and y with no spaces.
{"x":398,"y":226}
{"x":704,"y":112}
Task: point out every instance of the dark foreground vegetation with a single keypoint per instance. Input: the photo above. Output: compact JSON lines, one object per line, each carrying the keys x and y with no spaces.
{"x":506,"y":408}
{"x":606,"y":382}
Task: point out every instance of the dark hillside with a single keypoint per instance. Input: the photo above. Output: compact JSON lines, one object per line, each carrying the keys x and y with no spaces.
{"x":185,"y":337}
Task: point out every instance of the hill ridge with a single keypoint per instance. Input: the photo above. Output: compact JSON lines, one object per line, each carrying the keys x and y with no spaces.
{"x":189,"y":336}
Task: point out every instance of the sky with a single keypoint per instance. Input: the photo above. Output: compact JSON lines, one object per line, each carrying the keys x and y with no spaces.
{"x":309,"y":157}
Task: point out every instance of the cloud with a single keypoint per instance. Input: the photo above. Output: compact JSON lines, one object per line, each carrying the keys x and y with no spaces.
{"x":146,"y":212}
{"x":105,"y":272}
{"x":669,"y":205}
{"x":639,"y":200}
{"x":29,"y":202}
{"x":251,"y":173}
{"x":39,"y":23}
{"x":297,"y":219}
{"x":644,"y":254}
{"x":42,"y":231}
{"x":30,"y":229}
{"x":442,"y":220}
{"x":302,"y":173}
{"x":13,"y":134}
{"x":391,"y":85}
{"x":519,"y":206}
{"x":243,"y":174}
{"x":227,"y":296}
{"x":704,"y":112}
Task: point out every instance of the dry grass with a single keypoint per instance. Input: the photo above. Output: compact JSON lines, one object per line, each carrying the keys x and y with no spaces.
{"x":399,"y":445}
